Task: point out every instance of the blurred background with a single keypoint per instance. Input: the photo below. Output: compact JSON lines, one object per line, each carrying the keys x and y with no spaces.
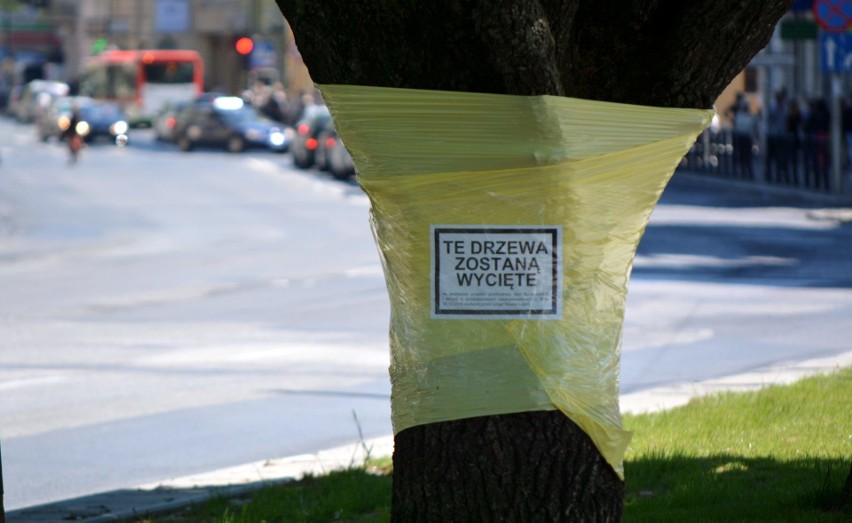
{"x":54,"y":39}
{"x":794,"y":96}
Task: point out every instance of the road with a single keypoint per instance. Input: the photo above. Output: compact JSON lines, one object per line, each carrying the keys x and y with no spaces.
{"x":163,"y":314}
{"x":166,"y":313}
{"x":727,"y":280}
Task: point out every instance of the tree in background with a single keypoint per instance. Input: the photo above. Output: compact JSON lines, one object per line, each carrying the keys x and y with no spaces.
{"x":532,"y":466}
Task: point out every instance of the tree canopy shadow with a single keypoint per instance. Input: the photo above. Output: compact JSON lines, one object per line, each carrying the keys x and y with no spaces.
{"x":728,"y":487}
{"x":727,"y":247}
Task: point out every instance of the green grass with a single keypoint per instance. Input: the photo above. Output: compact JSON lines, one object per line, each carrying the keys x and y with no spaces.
{"x":352,"y":495}
{"x":778,"y":454}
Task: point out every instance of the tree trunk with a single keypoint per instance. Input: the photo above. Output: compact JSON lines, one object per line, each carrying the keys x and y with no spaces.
{"x":536,"y":466}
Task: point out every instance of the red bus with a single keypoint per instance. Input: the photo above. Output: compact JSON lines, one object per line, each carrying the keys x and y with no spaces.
{"x":142,"y":81}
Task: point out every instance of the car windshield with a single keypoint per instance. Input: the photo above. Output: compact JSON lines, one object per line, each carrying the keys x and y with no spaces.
{"x":241,"y":116}
{"x":66,"y":105}
{"x":101,"y":112}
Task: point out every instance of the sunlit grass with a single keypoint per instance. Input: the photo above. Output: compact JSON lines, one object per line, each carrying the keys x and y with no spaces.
{"x":352,"y":495}
{"x":778,"y":454}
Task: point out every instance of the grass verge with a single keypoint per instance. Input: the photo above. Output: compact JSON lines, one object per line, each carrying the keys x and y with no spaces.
{"x":778,"y":454}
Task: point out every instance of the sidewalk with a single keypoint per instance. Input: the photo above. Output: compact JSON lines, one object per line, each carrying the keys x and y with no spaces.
{"x":173,"y":494}
{"x":761,"y":188}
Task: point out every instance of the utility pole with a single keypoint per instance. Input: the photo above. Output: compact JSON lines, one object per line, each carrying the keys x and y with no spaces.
{"x":835,"y":18}
{"x":837,"y":140}
{"x":2,"y":510}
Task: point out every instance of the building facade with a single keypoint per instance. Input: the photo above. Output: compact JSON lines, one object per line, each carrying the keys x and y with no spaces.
{"x":84,"y":27}
{"x":67,"y":32}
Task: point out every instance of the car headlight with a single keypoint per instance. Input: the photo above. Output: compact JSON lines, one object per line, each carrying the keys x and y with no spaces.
{"x":64,"y":122}
{"x":119,"y":127}
{"x":82,"y":128}
{"x":276,"y":138}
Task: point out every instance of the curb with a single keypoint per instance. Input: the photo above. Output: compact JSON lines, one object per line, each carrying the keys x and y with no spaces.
{"x":178,"y":493}
{"x":175,"y":494}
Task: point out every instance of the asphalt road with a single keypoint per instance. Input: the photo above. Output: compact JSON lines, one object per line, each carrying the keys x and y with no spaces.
{"x":164,"y":314}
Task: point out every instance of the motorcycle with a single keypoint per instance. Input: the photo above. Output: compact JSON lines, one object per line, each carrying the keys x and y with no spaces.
{"x":78,"y":131}
{"x":75,"y":144}
{"x":74,"y":131}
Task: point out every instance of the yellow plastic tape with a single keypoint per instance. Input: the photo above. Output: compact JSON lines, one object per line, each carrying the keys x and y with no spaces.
{"x":507,"y":227}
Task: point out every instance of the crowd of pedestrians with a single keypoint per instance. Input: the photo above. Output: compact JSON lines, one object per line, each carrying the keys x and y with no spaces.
{"x":796,"y":137}
{"x":273,"y":102}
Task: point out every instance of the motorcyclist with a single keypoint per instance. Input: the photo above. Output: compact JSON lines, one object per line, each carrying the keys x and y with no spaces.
{"x":72,"y":134}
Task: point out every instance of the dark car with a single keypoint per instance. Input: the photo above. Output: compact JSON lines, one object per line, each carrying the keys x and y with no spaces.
{"x":228,"y":122}
{"x":165,"y":123}
{"x":102,"y":120}
{"x":332,"y":156}
{"x":315,"y":120}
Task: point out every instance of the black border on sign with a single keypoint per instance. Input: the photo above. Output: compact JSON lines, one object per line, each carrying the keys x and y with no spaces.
{"x":554,"y":233}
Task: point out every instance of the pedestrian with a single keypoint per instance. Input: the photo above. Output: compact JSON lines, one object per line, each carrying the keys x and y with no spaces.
{"x":793,"y":127}
{"x":777,"y":150}
{"x":745,"y":134}
{"x":276,"y":106}
{"x":73,"y":134}
{"x":816,"y":144}
{"x":846,"y":123}
{"x":731,"y":112}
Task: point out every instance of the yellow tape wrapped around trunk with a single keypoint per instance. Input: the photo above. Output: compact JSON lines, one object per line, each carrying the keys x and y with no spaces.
{"x":507,"y":227}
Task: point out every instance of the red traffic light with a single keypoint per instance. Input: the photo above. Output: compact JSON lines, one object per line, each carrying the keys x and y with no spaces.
{"x":244,"y":45}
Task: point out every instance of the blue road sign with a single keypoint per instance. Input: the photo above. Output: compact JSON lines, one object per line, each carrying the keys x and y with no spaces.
{"x":833,"y":15}
{"x":263,"y":55}
{"x":835,"y":51}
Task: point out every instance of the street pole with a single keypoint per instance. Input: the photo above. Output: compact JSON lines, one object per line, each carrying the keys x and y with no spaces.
{"x":2,"y":510}
{"x":837,"y":138}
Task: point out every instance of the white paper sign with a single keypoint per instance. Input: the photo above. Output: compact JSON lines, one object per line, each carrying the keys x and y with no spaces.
{"x":496,"y":272}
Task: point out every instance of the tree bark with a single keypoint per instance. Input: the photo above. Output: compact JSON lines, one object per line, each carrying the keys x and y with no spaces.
{"x":536,"y":466}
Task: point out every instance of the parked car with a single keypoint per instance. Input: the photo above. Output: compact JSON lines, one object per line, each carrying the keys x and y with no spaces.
{"x":226,"y":121}
{"x":314,"y":121}
{"x":208,"y":96}
{"x":333,"y":157}
{"x":166,"y":121}
{"x":102,"y":120}
{"x":35,"y":97}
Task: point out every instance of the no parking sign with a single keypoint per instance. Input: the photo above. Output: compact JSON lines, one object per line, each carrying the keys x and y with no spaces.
{"x":833,"y":15}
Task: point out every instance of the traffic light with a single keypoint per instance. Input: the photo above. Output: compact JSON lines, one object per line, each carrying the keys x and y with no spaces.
{"x":244,"y":45}
{"x":99,"y":45}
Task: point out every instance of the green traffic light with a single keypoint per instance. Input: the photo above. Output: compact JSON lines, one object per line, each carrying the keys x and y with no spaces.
{"x":99,"y":45}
